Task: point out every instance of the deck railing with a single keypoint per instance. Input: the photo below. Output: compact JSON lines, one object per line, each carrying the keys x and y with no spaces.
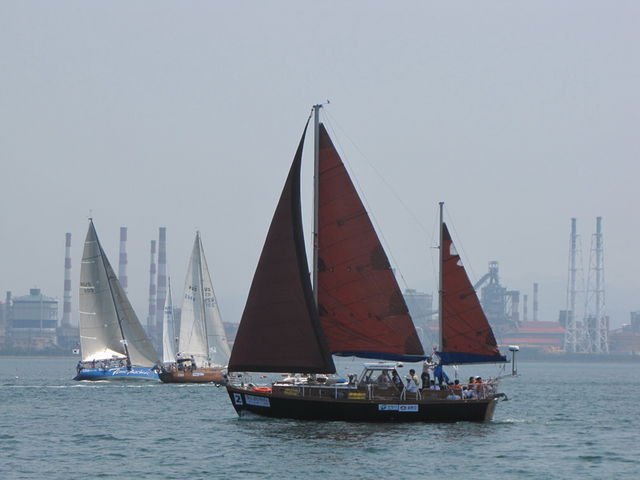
{"x":374,"y":392}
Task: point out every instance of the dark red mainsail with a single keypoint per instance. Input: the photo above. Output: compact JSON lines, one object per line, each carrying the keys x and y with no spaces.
{"x":362,"y":310}
{"x":279,"y":330}
{"x":466,"y":334}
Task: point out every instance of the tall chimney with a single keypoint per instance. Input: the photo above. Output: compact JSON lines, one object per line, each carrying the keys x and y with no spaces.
{"x":66,"y":304}
{"x":152,"y":286}
{"x":535,"y":302}
{"x":162,"y":274}
{"x":122,"y":264}
{"x":525,"y":307}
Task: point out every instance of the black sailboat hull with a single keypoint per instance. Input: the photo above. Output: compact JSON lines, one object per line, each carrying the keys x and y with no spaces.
{"x":299,"y":408}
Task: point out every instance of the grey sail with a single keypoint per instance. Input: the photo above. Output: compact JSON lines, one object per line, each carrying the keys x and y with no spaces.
{"x":201,"y":331}
{"x":108,"y":325}
{"x":218,"y":346}
{"x":168,"y":329}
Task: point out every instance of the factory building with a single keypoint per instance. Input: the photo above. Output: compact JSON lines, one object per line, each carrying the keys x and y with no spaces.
{"x":627,"y":338}
{"x":424,"y":316}
{"x":32,"y":322}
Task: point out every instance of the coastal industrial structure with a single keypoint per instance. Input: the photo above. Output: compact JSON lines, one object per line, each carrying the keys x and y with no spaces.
{"x":122,"y":260}
{"x":588,"y":333}
{"x":421,"y":309}
{"x":30,"y":323}
{"x":161,"y":292}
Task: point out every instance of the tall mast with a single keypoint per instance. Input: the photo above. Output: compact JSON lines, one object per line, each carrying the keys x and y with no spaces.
{"x":109,"y":280}
{"x":440,"y":291}
{"x":201,"y":287}
{"x":316,"y":190}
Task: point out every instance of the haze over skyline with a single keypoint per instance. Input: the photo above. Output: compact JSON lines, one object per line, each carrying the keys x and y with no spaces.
{"x":187,"y":115}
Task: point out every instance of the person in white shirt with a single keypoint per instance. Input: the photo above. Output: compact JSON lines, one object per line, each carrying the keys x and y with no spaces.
{"x":412,"y":381}
{"x":468,"y":393}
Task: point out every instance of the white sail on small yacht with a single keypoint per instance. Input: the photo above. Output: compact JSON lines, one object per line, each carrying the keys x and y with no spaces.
{"x":113,"y":343}
{"x":203,"y":350}
{"x":168,"y":330}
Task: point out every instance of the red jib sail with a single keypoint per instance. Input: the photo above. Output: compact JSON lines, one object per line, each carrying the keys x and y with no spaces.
{"x":279,"y":330}
{"x":466,"y":334}
{"x":362,"y":310}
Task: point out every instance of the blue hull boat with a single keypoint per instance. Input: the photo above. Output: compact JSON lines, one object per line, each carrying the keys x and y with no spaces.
{"x":113,"y":343}
{"x":117,"y":373}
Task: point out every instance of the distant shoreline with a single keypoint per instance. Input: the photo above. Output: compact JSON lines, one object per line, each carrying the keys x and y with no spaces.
{"x":50,"y":357}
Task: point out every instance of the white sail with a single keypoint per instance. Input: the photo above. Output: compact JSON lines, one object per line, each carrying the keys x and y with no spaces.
{"x":108,"y":325}
{"x":201,"y":331}
{"x":168,"y":330}
{"x":219,"y":351}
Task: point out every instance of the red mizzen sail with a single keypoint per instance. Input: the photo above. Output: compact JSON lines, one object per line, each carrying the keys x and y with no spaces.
{"x":279,"y":330}
{"x":466,"y":334}
{"x":362,"y":310}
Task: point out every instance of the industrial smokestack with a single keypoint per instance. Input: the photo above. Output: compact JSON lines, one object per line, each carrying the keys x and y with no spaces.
{"x":162,"y":274}
{"x":535,"y":302}
{"x":122,"y":264}
{"x":525,"y":307}
{"x":66,"y":305}
{"x":599,"y":269}
{"x":152,"y":286}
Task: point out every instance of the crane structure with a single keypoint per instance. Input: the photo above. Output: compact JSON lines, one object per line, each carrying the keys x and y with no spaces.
{"x":591,"y":334}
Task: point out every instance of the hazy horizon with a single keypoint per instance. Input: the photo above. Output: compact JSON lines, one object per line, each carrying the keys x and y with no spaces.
{"x":187,"y":115}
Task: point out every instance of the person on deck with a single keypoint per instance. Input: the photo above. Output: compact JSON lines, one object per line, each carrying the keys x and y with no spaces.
{"x":383,"y":379}
{"x":440,"y":375}
{"x":397,"y":381}
{"x":412,"y":381}
{"x":468,"y":392}
{"x":427,"y":369}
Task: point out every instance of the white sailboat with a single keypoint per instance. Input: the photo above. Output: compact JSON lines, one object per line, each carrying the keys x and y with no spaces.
{"x":168,"y":330}
{"x":113,"y":344}
{"x":203,"y":350}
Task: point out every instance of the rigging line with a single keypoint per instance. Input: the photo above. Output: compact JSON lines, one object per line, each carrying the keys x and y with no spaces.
{"x":368,"y":208}
{"x":373,"y":167}
{"x":458,"y":245}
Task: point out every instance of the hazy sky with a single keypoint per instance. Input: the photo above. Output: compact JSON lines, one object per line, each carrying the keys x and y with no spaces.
{"x":519,"y":115}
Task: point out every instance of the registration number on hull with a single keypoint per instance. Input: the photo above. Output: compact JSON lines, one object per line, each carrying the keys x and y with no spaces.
{"x":251,"y":400}
{"x":386,"y":407}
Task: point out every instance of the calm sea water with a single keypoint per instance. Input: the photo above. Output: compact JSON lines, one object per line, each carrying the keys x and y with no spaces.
{"x":562,"y":421}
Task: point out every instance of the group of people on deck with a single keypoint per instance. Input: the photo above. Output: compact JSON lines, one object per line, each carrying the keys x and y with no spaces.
{"x":103,"y":364}
{"x":433,"y":377}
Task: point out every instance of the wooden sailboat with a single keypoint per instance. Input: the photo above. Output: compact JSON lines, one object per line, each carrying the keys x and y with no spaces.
{"x":354,"y":309}
{"x":113,"y":343}
{"x":203,"y":350}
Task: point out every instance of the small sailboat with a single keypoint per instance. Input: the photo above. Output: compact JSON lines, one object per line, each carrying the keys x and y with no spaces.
{"x":113,"y":344}
{"x":203,"y":350}
{"x":354,"y":308}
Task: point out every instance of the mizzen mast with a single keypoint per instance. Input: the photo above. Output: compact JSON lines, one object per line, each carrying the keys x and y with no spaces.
{"x":440,"y":283}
